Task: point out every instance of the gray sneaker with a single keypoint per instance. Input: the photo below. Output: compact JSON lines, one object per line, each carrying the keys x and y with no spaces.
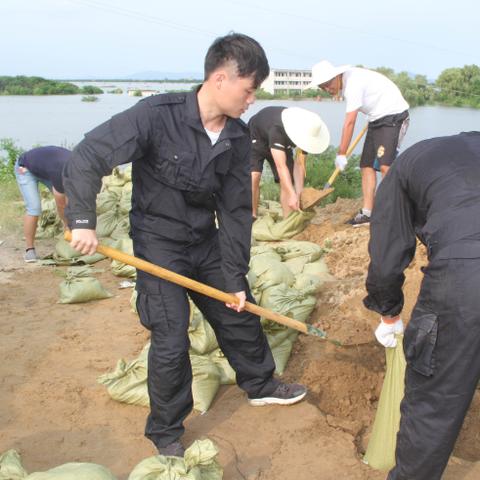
{"x":284,"y":394}
{"x":30,"y":255}
{"x":175,"y":449}
{"x":359,"y":220}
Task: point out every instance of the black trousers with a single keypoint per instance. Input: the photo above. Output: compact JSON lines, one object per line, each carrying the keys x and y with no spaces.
{"x":164,"y":309}
{"x":442,"y":349}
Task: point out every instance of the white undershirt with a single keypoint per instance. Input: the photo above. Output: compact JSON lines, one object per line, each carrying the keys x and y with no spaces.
{"x":213,"y":135}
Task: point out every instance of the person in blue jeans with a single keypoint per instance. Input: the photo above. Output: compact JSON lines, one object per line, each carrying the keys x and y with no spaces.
{"x":40,"y":165}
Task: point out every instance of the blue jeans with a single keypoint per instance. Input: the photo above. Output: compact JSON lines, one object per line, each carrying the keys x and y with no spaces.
{"x":28,"y":185}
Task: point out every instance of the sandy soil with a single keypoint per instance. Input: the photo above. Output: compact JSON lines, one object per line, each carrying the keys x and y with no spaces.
{"x":53,"y":411}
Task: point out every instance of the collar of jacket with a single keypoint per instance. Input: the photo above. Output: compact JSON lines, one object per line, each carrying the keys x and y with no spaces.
{"x":234,"y":128}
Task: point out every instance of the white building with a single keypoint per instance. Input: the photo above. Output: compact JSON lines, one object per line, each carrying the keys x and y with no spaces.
{"x":287,"y":81}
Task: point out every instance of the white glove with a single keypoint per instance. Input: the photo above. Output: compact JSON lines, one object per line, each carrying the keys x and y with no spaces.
{"x":341,"y":162}
{"x":386,"y":332}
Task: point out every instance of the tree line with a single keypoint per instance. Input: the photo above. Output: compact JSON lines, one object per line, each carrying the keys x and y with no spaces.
{"x":22,"y":85}
{"x":459,"y":87}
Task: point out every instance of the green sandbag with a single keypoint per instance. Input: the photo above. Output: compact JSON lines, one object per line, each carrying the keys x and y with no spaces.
{"x":126,"y":199}
{"x":107,"y":201}
{"x":269,"y":272}
{"x":198,"y":463}
{"x":380,"y":453}
{"x":307,"y":283}
{"x":205,"y":382}
{"x":201,"y":334}
{"x":122,"y":228}
{"x":11,"y":469}
{"x":288,"y":301}
{"x":66,"y":255}
{"x":133,"y":301}
{"x":128,"y":382}
{"x":295,"y":249}
{"x":227,"y":373}
{"x":11,"y":466}
{"x":106,"y":223}
{"x":318,"y":268}
{"x":296,"y":265}
{"x":267,"y":229}
{"x":49,"y":223}
{"x":80,"y":287}
{"x":281,"y":353}
{"x":122,"y":269}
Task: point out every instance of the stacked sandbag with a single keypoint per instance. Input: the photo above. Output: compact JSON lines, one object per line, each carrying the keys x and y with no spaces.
{"x":284,"y":278}
{"x":80,"y":286}
{"x":11,"y":469}
{"x":119,"y":268}
{"x":49,"y":223}
{"x":198,"y":463}
{"x":272,"y":227}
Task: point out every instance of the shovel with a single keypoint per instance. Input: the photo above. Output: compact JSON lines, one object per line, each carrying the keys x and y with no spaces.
{"x":205,"y":289}
{"x":311,"y":196}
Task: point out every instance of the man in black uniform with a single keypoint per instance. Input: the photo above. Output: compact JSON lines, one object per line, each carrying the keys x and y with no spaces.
{"x":40,"y":165}
{"x":275,"y":132}
{"x":432,"y":191}
{"x":190,"y":162}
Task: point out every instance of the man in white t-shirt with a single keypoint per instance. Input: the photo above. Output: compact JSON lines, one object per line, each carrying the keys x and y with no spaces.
{"x":377,"y":97}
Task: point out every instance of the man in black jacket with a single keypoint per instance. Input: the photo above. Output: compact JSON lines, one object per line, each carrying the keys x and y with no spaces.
{"x":190,"y":157}
{"x":432,"y":192}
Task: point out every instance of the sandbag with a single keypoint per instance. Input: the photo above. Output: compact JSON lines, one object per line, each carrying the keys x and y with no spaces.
{"x":198,"y":463}
{"x":201,"y":334}
{"x":269,"y":272}
{"x":205,"y":382}
{"x":80,"y":287}
{"x":122,"y":269}
{"x":66,"y":255}
{"x":11,"y":469}
{"x":297,"y":248}
{"x":125,"y":203}
{"x":128,"y":382}
{"x":107,"y":201}
{"x":107,"y":222}
{"x":267,"y":229}
{"x":380,"y":453}
{"x":289,"y":302}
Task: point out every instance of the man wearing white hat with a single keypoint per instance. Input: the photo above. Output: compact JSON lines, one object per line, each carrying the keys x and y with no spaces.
{"x":275,"y":132}
{"x":380,"y":100}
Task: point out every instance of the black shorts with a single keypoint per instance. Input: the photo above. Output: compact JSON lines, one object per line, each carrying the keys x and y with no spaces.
{"x":383,"y":140}
{"x":257,"y":159}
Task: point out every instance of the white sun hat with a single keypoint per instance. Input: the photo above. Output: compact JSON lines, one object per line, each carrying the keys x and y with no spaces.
{"x":306,"y":129}
{"x":324,"y":71}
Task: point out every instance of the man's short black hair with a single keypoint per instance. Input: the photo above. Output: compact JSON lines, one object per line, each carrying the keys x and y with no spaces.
{"x":246,"y":52}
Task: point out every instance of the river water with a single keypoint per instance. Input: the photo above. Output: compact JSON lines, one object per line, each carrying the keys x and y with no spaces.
{"x":64,"y":119}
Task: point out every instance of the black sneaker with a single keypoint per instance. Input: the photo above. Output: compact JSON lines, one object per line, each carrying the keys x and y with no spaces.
{"x":175,"y":449}
{"x":284,"y":394}
{"x":359,"y":220}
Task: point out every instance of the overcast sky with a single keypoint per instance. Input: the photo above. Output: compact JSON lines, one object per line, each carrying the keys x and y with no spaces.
{"x":116,"y":38}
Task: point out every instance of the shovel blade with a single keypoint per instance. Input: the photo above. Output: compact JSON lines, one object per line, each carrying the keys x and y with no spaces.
{"x":311,"y":197}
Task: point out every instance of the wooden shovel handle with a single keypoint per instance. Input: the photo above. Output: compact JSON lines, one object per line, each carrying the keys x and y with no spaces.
{"x":349,"y":152}
{"x":194,"y":285}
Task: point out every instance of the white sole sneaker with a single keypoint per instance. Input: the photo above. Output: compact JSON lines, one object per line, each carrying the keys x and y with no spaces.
{"x":358,"y":225}
{"x":261,"y":402}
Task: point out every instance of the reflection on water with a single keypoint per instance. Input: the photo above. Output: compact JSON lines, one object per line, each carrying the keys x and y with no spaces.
{"x":63,"y":120}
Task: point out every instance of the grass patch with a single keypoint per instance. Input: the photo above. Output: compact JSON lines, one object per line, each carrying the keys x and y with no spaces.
{"x":319,"y":169}
{"x":11,"y":208}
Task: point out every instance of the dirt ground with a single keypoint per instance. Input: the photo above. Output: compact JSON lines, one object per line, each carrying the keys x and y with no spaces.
{"x":53,"y":411}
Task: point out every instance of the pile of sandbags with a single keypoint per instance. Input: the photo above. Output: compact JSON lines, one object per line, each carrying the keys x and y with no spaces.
{"x":283,"y":277}
{"x":199,"y":463}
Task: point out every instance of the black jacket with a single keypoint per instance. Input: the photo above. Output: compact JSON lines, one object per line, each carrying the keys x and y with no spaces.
{"x":179,"y":179}
{"x":432,"y":191}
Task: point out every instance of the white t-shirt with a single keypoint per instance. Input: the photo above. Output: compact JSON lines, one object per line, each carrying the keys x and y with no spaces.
{"x":372,"y":93}
{"x":213,"y":135}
